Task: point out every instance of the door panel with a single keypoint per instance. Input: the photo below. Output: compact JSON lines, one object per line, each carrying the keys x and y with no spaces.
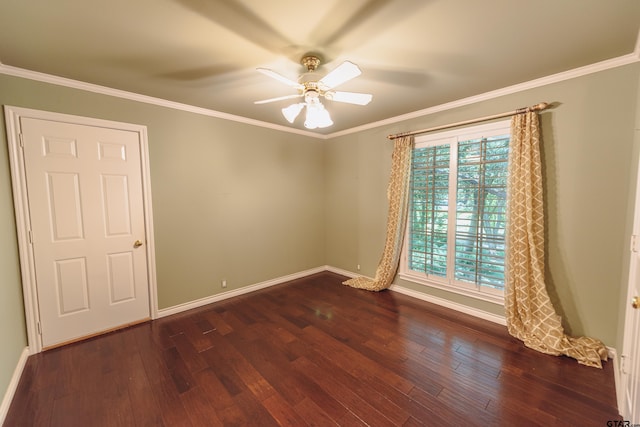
{"x":65,"y":215}
{"x":117,"y":215}
{"x":121,"y":277}
{"x":71,"y":285}
{"x":84,"y":186}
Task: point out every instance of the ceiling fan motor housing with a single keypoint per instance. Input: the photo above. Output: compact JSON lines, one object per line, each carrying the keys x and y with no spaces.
{"x":310,"y":82}
{"x":311,"y":96}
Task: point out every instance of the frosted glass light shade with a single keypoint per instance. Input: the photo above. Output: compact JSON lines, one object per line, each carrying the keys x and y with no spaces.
{"x":317,"y":117}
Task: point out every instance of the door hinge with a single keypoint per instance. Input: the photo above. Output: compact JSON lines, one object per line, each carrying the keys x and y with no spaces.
{"x":21,"y":138}
{"x":39,"y":329}
{"x":634,"y":243}
{"x":30,"y":234}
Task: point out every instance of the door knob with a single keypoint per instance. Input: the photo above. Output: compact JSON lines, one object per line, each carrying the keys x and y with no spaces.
{"x":137,"y":244}
{"x":635,"y":302}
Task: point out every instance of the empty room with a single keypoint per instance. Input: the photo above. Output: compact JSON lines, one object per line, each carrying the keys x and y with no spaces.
{"x":362,"y":213}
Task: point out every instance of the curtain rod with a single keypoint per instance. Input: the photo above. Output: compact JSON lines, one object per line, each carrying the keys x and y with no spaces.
{"x":538,"y":107}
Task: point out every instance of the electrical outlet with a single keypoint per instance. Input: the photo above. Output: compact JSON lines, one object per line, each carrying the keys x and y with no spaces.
{"x":358,"y":267}
{"x":224,"y":283}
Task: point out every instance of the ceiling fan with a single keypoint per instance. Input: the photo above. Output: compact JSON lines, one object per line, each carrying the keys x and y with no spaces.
{"x":311,"y":90}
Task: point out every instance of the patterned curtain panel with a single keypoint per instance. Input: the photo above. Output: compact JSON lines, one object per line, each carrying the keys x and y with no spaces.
{"x":398,"y":195}
{"x":530,"y":314}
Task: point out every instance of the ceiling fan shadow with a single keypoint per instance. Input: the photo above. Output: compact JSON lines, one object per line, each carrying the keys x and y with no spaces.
{"x":240,"y":20}
{"x":398,"y":77}
{"x":198,"y":73}
{"x":164,"y":67}
{"x":348,"y":25}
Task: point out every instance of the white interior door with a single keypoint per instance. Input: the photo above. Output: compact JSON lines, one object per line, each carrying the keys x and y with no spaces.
{"x":85,"y":197}
{"x":630,"y":371}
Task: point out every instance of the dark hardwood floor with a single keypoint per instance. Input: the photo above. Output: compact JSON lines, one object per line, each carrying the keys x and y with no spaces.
{"x":311,"y":352}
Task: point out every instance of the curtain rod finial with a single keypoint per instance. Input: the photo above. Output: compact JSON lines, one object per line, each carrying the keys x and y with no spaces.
{"x":398,"y":135}
{"x":541,"y":106}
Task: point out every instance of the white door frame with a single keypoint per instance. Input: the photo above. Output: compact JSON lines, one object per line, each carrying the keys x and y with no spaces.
{"x":21,"y":206}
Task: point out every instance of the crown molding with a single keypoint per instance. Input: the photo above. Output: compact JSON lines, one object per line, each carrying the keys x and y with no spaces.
{"x":543,"y":81}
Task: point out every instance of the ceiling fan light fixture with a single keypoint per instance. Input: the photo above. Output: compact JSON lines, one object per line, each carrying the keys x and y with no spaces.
{"x":317,"y":117}
{"x":291,"y":112}
{"x":313,"y":90}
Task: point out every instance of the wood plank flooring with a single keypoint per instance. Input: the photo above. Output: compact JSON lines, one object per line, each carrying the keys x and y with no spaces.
{"x":311,"y":352}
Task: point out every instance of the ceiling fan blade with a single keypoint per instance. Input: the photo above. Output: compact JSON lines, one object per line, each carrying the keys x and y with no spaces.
{"x":280,"y":98}
{"x":349,"y":97}
{"x":280,"y":78}
{"x":342,"y":73}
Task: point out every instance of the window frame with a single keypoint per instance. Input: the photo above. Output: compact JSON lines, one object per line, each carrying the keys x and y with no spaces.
{"x":453,"y":138}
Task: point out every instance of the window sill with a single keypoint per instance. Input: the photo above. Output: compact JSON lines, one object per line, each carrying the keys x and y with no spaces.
{"x":468,"y":292}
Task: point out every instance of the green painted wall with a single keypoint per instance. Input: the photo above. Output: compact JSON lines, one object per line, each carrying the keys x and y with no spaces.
{"x":587,"y":154}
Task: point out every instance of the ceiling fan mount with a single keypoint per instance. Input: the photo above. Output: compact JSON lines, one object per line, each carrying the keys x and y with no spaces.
{"x":311,"y":62}
{"x":312,"y":89}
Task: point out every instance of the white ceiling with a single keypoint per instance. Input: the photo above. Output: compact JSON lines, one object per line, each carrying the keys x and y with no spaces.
{"x":414,"y":54}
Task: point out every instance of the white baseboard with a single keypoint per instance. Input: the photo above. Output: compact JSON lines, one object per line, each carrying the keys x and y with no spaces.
{"x":13,"y":385}
{"x":236,"y":292}
{"x":495,"y":318}
{"x":432,"y":299}
{"x":396,"y":288}
{"x":341,"y":271}
{"x":612,"y":353}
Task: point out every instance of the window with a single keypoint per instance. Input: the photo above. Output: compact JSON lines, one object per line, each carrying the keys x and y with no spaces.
{"x":455,"y":236}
